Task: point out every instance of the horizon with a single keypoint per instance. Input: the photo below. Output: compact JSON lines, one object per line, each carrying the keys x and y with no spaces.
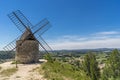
{"x":75,"y":24}
{"x":82,"y":49}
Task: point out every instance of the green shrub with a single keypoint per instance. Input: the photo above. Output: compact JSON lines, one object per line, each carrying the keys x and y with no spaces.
{"x":61,"y":71}
{"x":48,"y":57}
{"x":14,"y":62}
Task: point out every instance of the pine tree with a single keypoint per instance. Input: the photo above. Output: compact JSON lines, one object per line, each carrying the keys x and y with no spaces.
{"x":90,"y":66}
{"x":112,"y":68}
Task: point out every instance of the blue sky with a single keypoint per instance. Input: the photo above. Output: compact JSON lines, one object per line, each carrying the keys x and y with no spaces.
{"x":76,"y":24}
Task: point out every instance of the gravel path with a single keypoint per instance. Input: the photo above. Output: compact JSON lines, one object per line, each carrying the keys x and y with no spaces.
{"x":25,"y":72}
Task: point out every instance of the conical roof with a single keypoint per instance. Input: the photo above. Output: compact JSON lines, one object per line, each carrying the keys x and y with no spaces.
{"x":27,"y":35}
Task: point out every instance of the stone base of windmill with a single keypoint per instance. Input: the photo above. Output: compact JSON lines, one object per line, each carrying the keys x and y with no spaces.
{"x":27,"y":52}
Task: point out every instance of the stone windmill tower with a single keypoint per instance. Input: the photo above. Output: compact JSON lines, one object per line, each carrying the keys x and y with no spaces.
{"x":27,"y":52}
{"x":28,"y":45}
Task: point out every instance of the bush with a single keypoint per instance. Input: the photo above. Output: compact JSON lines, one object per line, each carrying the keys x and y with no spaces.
{"x":48,"y":57}
{"x":61,"y":71}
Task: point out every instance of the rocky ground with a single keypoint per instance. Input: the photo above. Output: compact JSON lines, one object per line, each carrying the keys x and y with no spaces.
{"x":24,"y":72}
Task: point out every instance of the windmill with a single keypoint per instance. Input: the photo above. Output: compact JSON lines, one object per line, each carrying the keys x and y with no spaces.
{"x":28,"y":45}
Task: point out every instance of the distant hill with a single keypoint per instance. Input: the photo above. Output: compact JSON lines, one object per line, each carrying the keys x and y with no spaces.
{"x":86,"y":50}
{"x":4,"y":55}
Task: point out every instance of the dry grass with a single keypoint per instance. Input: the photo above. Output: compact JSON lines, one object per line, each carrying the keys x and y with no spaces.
{"x":8,"y":72}
{"x":0,"y":67}
{"x":34,"y":69}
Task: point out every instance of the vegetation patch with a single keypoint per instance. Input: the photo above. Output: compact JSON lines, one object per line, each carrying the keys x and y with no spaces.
{"x":0,"y":67}
{"x":17,"y":76}
{"x":57,"y":70}
{"x":8,"y":72}
{"x":111,"y":70}
{"x":15,"y":62}
{"x":34,"y":69}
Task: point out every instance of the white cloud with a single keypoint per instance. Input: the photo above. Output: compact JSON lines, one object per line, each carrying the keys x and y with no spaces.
{"x":109,"y":39}
{"x":104,"y":40}
{"x":107,"y":33}
{"x":68,"y":38}
{"x":108,"y":43}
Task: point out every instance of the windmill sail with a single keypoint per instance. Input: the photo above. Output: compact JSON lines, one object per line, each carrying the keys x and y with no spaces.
{"x":23,"y":24}
{"x":46,"y":46}
{"x":38,"y":32}
{"x":11,"y":46}
{"x":19,"y":20}
{"x":41,"y":27}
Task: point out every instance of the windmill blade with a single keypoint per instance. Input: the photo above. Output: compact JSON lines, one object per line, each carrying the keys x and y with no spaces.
{"x":11,"y":46}
{"x":42,"y":48}
{"x":23,"y":23}
{"x":20,"y":20}
{"x":38,"y":31}
{"x":44,"y":44}
{"x":41,"y":27}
